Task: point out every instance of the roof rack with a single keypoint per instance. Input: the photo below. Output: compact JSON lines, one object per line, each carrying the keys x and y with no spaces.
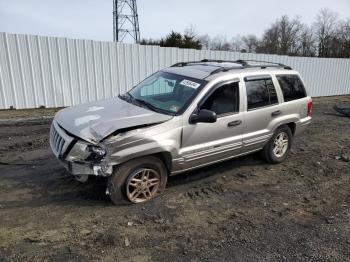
{"x":243,"y":64}
{"x":181,"y":64}
{"x":267,"y":63}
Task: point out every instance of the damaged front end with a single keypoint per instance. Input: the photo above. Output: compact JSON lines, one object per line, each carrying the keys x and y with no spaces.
{"x":79,"y":157}
{"x":82,"y":158}
{"x":79,"y":134}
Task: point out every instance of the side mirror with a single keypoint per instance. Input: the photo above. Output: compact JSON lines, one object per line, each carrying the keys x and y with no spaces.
{"x":203,"y":116}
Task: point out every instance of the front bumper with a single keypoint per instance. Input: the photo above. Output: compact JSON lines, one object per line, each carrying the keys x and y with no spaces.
{"x":78,"y":169}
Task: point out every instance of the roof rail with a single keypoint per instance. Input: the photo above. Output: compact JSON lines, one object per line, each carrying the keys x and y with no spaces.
{"x":266,"y":62}
{"x":181,"y":64}
{"x":243,"y":63}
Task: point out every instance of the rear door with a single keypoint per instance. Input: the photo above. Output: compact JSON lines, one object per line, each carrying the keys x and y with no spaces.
{"x":261,"y":110}
{"x":205,"y":143}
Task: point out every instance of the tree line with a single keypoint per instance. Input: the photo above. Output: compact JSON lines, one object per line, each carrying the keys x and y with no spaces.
{"x":327,"y":36}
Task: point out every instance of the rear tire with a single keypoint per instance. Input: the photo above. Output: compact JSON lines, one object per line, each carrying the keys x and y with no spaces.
{"x":137,"y":181}
{"x":277,"y":149}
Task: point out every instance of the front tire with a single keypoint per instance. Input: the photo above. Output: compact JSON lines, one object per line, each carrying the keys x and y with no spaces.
{"x":137,"y":181}
{"x":277,"y":149}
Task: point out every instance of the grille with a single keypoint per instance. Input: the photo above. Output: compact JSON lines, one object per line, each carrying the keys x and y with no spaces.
{"x":57,"y":141}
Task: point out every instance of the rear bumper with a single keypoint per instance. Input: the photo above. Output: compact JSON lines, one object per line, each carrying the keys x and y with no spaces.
{"x":302,"y":124}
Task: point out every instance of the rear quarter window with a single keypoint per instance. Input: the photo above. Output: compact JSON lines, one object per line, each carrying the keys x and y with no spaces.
{"x":292,"y":87}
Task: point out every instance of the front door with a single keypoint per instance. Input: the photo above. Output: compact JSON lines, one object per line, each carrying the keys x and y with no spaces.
{"x":205,"y":143}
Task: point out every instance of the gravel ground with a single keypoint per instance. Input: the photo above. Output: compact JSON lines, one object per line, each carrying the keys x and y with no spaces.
{"x":240,"y":210}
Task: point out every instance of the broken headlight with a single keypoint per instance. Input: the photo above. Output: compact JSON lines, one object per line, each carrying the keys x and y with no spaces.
{"x":96,"y":153}
{"x":98,"y":150}
{"x":84,"y":152}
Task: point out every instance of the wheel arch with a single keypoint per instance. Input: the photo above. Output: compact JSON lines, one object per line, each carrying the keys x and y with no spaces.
{"x":292,"y":126}
{"x":164,"y":156}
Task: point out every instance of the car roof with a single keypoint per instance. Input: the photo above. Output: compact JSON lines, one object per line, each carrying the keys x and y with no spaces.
{"x":210,"y":70}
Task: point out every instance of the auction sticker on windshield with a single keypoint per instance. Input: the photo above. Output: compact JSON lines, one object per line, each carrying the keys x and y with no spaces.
{"x":189,"y":83}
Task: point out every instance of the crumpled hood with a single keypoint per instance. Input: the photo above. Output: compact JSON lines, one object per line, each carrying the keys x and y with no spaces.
{"x":94,"y":121}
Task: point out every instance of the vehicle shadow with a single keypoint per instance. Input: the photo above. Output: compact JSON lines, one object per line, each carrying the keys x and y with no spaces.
{"x":50,"y":184}
{"x":215,"y":169}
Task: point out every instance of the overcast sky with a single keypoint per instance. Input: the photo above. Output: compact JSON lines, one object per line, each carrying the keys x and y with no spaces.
{"x":92,"y":19}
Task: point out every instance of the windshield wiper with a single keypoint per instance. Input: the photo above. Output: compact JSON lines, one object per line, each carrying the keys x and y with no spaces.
{"x":148,"y":105}
{"x":131,"y":99}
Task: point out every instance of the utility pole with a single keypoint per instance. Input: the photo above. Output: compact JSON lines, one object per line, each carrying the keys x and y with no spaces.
{"x":125,"y":21}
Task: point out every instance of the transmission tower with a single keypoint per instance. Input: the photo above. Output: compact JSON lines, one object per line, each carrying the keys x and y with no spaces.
{"x":125,"y":21}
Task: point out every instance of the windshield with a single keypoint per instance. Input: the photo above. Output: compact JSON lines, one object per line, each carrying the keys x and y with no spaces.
{"x":166,"y":92}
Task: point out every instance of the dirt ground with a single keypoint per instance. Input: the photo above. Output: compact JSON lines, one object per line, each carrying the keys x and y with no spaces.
{"x":240,"y":210}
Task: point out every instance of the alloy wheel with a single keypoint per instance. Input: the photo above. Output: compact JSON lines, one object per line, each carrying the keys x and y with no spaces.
{"x":142,"y":185}
{"x":280,"y":144}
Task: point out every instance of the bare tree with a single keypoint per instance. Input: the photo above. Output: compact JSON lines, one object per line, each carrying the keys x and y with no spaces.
{"x":307,"y":42}
{"x":327,"y":37}
{"x":205,"y":40}
{"x":270,"y":41}
{"x":345,"y":36}
{"x":220,"y":43}
{"x":282,"y":37}
{"x":324,"y":27}
{"x":191,"y":31}
{"x":250,"y":43}
{"x":289,"y":35}
{"x":341,"y":43}
{"x":237,"y":44}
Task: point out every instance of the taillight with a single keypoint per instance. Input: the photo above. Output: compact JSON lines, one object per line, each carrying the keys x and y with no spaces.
{"x":309,"y":108}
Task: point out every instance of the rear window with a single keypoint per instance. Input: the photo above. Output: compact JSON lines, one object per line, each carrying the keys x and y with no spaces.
{"x":260,"y":93}
{"x":292,"y":87}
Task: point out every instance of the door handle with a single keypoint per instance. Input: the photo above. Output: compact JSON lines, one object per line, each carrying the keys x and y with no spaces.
{"x":276,"y":113}
{"x":234,"y":123}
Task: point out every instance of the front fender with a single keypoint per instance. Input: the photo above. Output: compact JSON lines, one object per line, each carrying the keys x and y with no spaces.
{"x":163,"y":138}
{"x":144,"y":149}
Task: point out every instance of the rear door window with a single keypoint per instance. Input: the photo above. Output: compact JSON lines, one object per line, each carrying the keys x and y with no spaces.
{"x":291,"y":86}
{"x":260,"y":93}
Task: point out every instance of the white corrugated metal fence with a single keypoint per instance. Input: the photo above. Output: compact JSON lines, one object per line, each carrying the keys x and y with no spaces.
{"x":55,"y":72}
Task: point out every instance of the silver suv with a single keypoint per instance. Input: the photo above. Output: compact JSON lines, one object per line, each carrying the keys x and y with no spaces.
{"x":184,"y":117}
